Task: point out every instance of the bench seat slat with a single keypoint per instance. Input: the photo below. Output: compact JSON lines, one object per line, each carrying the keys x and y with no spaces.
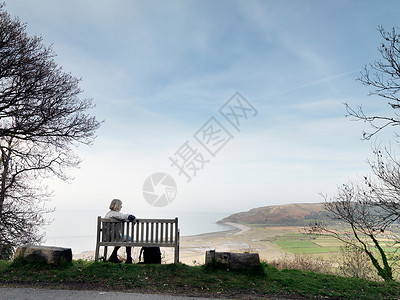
{"x":108,"y":220}
{"x":137,"y":244}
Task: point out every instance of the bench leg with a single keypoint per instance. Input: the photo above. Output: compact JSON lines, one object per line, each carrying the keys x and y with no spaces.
{"x":96,"y":256}
{"x":105,"y":253}
{"x":176,"y":258}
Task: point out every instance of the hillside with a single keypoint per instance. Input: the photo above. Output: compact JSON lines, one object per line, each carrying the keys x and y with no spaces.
{"x":282,"y":215}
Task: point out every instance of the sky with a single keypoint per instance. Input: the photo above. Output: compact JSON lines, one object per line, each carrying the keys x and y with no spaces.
{"x":158,"y":71}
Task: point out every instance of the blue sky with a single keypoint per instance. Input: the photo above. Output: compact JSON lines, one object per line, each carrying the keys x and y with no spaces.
{"x":158,"y":70}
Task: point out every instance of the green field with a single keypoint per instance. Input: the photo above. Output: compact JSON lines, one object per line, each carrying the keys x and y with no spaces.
{"x":298,"y":243}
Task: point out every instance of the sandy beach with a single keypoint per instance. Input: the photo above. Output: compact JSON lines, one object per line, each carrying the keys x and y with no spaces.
{"x":240,"y":238}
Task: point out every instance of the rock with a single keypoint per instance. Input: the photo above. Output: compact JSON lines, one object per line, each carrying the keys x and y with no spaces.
{"x":234,"y":260}
{"x":50,"y":255}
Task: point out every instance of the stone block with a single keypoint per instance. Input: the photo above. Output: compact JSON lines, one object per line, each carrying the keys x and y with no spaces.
{"x":234,"y":260}
{"x":48,"y":254}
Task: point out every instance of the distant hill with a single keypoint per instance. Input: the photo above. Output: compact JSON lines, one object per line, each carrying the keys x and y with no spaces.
{"x":282,"y":215}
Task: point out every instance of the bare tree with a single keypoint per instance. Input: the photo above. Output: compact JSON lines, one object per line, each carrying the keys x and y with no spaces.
{"x":42,"y":120}
{"x":372,"y":207}
{"x":383,"y":77}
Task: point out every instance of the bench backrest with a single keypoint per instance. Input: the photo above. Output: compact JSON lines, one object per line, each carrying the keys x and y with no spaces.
{"x":143,"y":232}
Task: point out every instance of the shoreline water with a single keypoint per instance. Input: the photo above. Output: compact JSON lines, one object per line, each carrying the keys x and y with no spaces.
{"x":236,"y":229}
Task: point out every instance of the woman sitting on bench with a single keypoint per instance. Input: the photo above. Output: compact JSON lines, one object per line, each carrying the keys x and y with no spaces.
{"x":115,"y":208}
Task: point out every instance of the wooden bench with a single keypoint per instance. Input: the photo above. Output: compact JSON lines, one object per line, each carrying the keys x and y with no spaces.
{"x":141,"y":233}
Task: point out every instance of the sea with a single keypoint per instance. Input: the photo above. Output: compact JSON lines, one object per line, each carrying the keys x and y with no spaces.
{"x":80,"y":235}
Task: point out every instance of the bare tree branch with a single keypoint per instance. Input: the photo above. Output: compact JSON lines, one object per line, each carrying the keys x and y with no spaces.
{"x":383,"y":77}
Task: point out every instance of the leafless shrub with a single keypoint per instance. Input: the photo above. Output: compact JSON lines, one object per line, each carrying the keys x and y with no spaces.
{"x":302,"y":262}
{"x":354,"y":262}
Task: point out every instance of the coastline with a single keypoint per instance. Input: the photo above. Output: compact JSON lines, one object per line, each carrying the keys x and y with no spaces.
{"x":237,"y":229}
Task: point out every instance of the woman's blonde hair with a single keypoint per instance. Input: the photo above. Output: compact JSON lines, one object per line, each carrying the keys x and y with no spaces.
{"x":116,"y":204}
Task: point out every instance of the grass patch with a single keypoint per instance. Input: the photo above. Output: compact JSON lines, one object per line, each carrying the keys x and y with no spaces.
{"x":299,"y":243}
{"x":195,"y":281}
